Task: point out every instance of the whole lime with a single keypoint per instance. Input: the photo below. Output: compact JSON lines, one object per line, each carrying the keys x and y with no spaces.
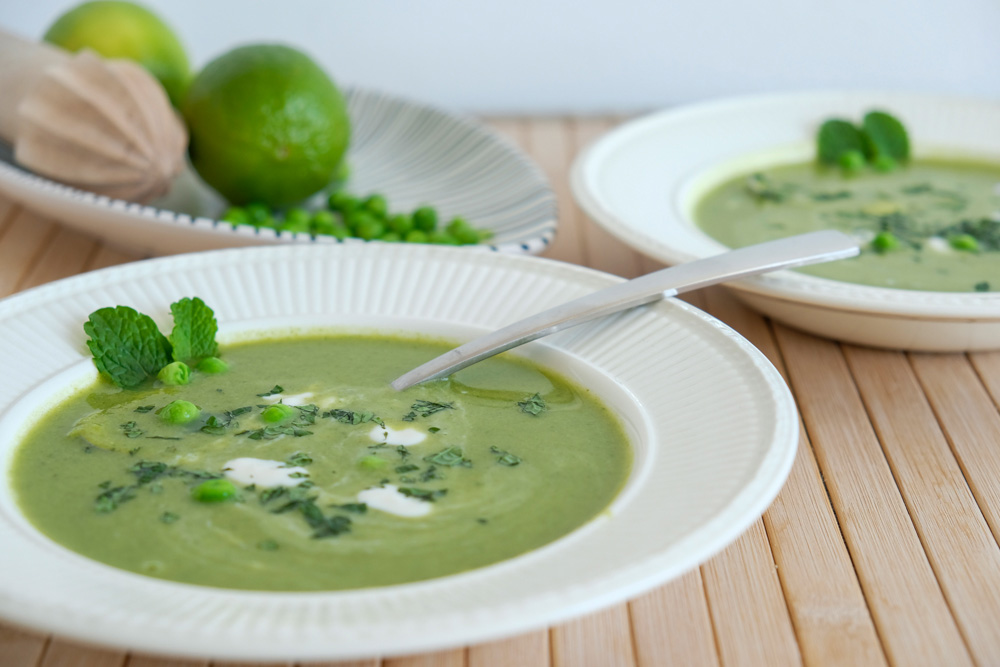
{"x":117,"y":29}
{"x":267,"y":125}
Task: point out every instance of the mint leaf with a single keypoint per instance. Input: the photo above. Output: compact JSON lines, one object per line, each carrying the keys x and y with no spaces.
{"x":885,"y":137}
{"x":127,"y":346}
{"x":193,"y":336}
{"x":837,"y":137}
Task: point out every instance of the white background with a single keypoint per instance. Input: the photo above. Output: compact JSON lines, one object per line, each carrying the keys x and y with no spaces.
{"x":592,"y":56}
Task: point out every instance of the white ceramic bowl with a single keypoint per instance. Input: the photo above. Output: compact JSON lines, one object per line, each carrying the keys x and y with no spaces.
{"x":713,"y":426}
{"x":411,"y":153}
{"x":642,"y":180}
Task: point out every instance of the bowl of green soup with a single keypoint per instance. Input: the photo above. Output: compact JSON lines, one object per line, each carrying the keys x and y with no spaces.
{"x":692,"y":182}
{"x":202,"y":455}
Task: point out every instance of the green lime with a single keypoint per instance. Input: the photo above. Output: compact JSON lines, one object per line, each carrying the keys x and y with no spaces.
{"x":267,"y":125}
{"x":125,"y":30}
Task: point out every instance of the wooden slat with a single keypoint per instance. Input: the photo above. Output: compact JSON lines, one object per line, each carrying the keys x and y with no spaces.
{"x":106,"y":256}
{"x":671,"y":625}
{"x":65,"y":254}
{"x":67,"y":654}
{"x":913,"y":620}
{"x":141,"y":660}
{"x":528,"y":650}
{"x":19,"y":648}
{"x":970,"y":420}
{"x":953,"y":532}
{"x":825,"y":602}
{"x":21,"y":243}
{"x":752,"y":626}
{"x":603,"y":639}
{"x":455,"y":658}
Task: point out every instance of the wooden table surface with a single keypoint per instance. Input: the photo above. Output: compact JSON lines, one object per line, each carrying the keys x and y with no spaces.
{"x":880,"y":549}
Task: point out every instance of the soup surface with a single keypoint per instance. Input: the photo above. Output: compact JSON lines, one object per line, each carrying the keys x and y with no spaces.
{"x":358,"y":486}
{"x":928,"y":210}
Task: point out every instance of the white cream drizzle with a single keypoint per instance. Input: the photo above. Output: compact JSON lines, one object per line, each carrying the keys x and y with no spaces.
{"x":390,"y":436}
{"x":388,"y":499}
{"x":262,"y":472}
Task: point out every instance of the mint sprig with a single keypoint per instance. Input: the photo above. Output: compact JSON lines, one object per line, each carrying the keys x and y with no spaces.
{"x":193,"y":336}
{"x":129,"y":349}
{"x":880,"y":141}
{"x":127,"y":346}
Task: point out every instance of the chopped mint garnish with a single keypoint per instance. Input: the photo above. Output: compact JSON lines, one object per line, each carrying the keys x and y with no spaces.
{"x":450,"y":457}
{"x":276,"y":389}
{"x":409,"y":467}
{"x":299,"y":459}
{"x":423,"y":494}
{"x":127,"y":346}
{"x":169,"y":517}
{"x":131,"y":430}
{"x":267,"y":545}
{"x":354,"y":418}
{"x":112,"y":498}
{"x":533,"y":405}
{"x":427,"y":408}
{"x":144,"y":408}
{"x":505,"y":458}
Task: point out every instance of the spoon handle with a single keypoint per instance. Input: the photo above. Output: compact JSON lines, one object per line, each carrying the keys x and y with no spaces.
{"x":786,"y":253}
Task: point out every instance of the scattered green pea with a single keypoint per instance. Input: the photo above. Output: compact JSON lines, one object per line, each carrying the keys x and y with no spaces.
{"x":852,"y":161}
{"x":416,"y":236}
{"x":258,"y":214}
{"x":400,"y":223}
{"x":465,"y":233}
{"x":368,"y":227}
{"x":179,"y":412}
{"x":342,"y":202}
{"x":277,"y":412}
{"x":964,"y":242}
{"x":214,"y":491}
{"x":296,"y":220}
{"x":425,"y":219}
{"x":323,"y":222}
{"x":884,"y":242}
{"x":391,"y":237}
{"x":442,"y":238}
{"x":212,"y":366}
{"x":236,"y":215}
{"x":376,"y":205}
{"x":176,"y":373}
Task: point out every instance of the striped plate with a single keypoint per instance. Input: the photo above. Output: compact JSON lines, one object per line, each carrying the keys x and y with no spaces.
{"x":413,"y":154}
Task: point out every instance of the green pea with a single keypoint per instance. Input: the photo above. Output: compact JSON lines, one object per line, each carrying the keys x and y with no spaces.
{"x":442,"y":238}
{"x":425,"y":219}
{"x":258,"y":214}
{"x":342,"y":202}
{"x":416,"y":236}
{"x":851,"y":161}
{"x":214,"y":491}
{"x":391,"y":237}
{"x":369,"y":228}
{"x":376,"y":205}
{"x":964,"y":242}
{"x":212,"y":366}
{"x":372,"y":462}
{"x":277,"y":412}
{"x":884,"y":242}
{"x":339,"y":232}
{"x":322,"y":222}
{"x":463,"y":231}
{"x":236,"y":215}
{"x":401,"y":224}
{"x":179,"y":412}
{"x":884,"y":163}
{"x":176,"y":373}
{"x":296,"y":220}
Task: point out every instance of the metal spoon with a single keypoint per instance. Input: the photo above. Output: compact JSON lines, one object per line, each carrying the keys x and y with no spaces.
{"x":811,"y":248}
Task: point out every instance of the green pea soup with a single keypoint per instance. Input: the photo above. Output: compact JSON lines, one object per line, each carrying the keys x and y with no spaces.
{"x":929,"y":225}
{"x":500,"y":459}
